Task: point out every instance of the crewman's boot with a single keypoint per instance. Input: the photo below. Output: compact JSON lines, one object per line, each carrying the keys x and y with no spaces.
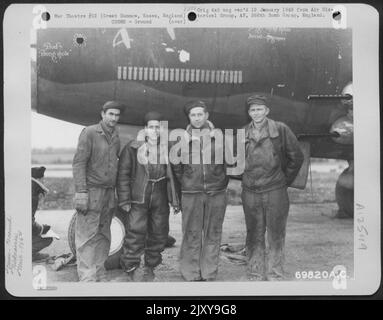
{"x":148,"y":274}
{"x":170,"y":241}
{"x":38,"y":256}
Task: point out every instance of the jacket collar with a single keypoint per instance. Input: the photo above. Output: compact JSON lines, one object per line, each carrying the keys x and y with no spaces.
{"x":136,"y":144}
{"x":141,"y":148}
{"x":210,"y":126}
{"x":272,"y":128}
{"x":100,"y":129}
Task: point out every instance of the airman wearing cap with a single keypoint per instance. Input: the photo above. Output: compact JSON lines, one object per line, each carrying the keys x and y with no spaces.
{"x":95,"y":172}
{"x":203,"y":185}
{"x":145,"y":187}
{"x":273,"y":159}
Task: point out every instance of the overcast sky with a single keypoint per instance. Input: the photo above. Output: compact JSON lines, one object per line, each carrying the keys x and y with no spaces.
{"x":50,"y":132}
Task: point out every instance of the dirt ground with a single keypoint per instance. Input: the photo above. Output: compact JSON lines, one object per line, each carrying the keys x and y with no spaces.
{"x":314,"y":242}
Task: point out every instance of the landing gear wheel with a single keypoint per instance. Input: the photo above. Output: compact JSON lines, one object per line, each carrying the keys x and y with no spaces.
{"x":344,"y":193}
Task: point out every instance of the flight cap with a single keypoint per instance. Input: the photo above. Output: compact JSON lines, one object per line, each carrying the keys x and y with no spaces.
{"x":113,"y":105}
{"x":256,"y":99}
{"x":152,"y":115}
{"x":195,"y":104}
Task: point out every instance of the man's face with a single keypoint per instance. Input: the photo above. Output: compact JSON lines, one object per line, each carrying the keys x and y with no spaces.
{"x":153,"y":129}
{"x":198,"y":117}
{"x":258,"y":113}
{"x":110,"y":117}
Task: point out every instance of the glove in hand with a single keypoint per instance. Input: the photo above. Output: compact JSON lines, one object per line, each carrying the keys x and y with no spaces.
{"x":81,"y":200}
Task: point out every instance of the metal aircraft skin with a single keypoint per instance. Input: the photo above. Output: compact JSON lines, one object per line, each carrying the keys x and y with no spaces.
{"x":75,"y":71}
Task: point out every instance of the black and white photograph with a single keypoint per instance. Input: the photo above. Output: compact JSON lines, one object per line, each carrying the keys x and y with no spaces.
{"x":193,"y":155}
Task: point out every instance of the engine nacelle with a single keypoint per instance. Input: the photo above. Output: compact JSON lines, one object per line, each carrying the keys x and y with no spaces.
{"x":344,"y":126}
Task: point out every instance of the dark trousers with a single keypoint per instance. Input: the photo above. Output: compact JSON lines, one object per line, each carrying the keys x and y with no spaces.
{"x":147,"y":228}
{"x":202,"y":219}
{"x":265,"y":211}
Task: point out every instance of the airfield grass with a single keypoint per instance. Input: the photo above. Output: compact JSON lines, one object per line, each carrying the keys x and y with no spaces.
{"x":52,"y":158}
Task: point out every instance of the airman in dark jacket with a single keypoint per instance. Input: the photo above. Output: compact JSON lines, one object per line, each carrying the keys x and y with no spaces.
{"x":203,"y":182}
